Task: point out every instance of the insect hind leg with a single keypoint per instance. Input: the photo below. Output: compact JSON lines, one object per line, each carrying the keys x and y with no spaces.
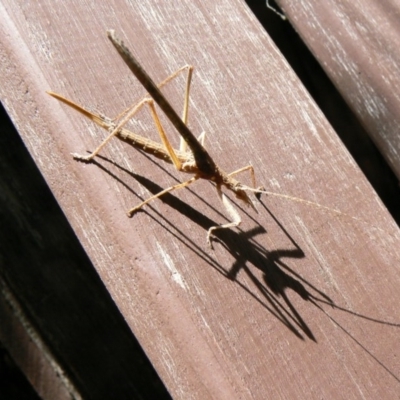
{"x":114,"y":132}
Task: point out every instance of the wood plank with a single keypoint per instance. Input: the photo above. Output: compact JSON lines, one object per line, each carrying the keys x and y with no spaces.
{"x":300,"y":296}
{"x":356,"y":44}
{"x":343,"y":120}
{"x":58,"y":321}
{"x":20,"y":338}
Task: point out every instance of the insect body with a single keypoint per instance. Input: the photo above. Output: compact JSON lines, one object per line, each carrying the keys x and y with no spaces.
{"x":191,"y":158}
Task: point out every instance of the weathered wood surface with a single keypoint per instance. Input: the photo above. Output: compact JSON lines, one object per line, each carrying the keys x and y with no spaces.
{"x":19,"y":337}
{"x":298,"y":303}
{"x":356,"y":42}
{"x":58,"y":321}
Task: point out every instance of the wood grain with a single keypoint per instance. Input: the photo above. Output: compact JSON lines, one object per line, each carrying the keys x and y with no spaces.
{"x":58,"y":321}
{"x":356,"y":44}
{"x":298,"y":302}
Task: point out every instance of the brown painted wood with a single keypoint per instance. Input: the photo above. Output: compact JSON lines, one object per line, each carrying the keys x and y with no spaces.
{"x":298,"y":303}
{"x":19,"y":336}
{"x":58,"y":321}
{"x":356,"y":44}
{"x":343,"y":120}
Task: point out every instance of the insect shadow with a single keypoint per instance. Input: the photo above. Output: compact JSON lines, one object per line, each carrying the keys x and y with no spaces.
{"x":277,"y":276}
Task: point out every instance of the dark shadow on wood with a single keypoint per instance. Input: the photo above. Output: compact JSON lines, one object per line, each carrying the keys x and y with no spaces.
{"x":347,"y":333}
{"x":13,"y":383}
{"x":277,"y":275}
{"x":239,"y":244}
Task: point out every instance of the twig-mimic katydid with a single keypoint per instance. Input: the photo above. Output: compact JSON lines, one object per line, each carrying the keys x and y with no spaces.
{"x":195,"y":161}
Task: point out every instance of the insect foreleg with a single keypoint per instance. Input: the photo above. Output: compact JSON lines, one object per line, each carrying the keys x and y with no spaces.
{"x":243,"y":169}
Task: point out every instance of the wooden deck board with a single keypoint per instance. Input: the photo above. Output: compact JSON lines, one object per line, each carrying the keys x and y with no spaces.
{"x":356,"y":44}
{"x":298,"y":303}
{"x":58,"y":321}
